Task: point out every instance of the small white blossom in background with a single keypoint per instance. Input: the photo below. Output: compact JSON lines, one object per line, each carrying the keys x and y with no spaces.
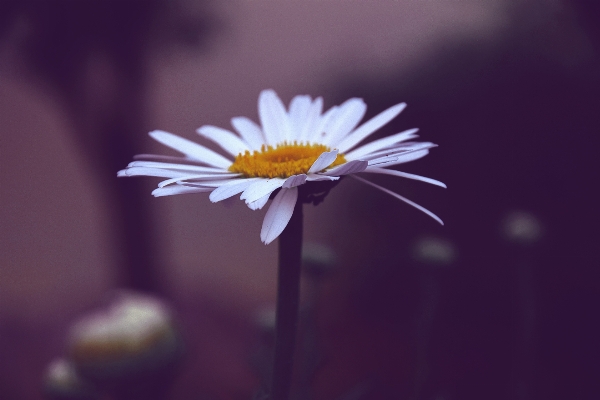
{"x":522,"y":227}
{"x":434,"y":251}
{"x":62,"y":381}
{"x":135,"y":333}
{"x":291,"y":147}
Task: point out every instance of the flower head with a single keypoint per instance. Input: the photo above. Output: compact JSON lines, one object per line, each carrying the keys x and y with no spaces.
{"x":290,"y":148}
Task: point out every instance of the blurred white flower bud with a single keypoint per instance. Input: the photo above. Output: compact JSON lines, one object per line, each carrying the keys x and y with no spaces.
{"x":434,"y":251}
{"x":521,"y":227}
{"x":135,"y":334}
{"x":61,"y":381}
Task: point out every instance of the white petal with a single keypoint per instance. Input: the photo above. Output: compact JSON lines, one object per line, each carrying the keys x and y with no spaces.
{"x":319,"y":177}
{"x":278,"y":215}
{"x":273,"y":117}
{"x":325,"y":160}
{"x":167,"y":159}
{"x":384,"y":171}
{"x":299,"y":106}
{"x":143,"y":171}
{"x":399,"y":150}
{"x":312,"y":120}
{"x":402,"y":160}
{"x":191,"y":149}
{"x":231,"y":189}
{"x":299,"y":109}
{"x":363,"y":131}
{"x":381,"y":144}
{"x":388,"y":161}
{"x":404,"y":199}
{"x":207,"y":184}
{"x":261,"y":188}
{"x":224,"y":138}
{"x":351,"y":167}
{"x":195,"y":177}
{"x":294,"y":180}
{"x":260,"y":203}
{"x":178,"y":167}
{"x":318,"y":133}
{"x":249,"y":131}
{"x":346,"y":119}
{"x":172,"y":190}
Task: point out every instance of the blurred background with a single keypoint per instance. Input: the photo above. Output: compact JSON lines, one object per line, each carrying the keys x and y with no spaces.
{"x":500,"y":303}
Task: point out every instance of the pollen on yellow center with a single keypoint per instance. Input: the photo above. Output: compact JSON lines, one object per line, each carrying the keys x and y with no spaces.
{"x":281,"y":161}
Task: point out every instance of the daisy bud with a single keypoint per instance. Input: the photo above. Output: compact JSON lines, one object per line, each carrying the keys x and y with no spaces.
{"x":62,"y":382}
{"x":522,"y":228}
{"x":134,"y":336}
{"x":434,"y":251}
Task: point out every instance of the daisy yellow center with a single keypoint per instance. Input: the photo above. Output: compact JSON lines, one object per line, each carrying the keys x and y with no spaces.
{"x":281,"y":161}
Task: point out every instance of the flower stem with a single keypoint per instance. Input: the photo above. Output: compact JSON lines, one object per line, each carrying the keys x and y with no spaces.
{"x":288,"y":299}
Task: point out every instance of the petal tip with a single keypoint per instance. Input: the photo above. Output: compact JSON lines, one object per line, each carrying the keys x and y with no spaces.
{"x":157,"y":132}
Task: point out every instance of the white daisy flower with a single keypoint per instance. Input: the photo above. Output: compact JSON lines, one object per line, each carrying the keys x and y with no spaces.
{"x":290,"y":148}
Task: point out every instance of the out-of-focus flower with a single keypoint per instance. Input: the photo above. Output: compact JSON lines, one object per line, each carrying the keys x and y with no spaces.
{"x":434,"y":251}
{"x":522,"y":227}
{"x":61,"y":381}
{"x":134,"y":335}
{"x":290,"y":148}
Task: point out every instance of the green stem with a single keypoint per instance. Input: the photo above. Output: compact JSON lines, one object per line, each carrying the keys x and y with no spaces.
{"x":288,"y":299}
